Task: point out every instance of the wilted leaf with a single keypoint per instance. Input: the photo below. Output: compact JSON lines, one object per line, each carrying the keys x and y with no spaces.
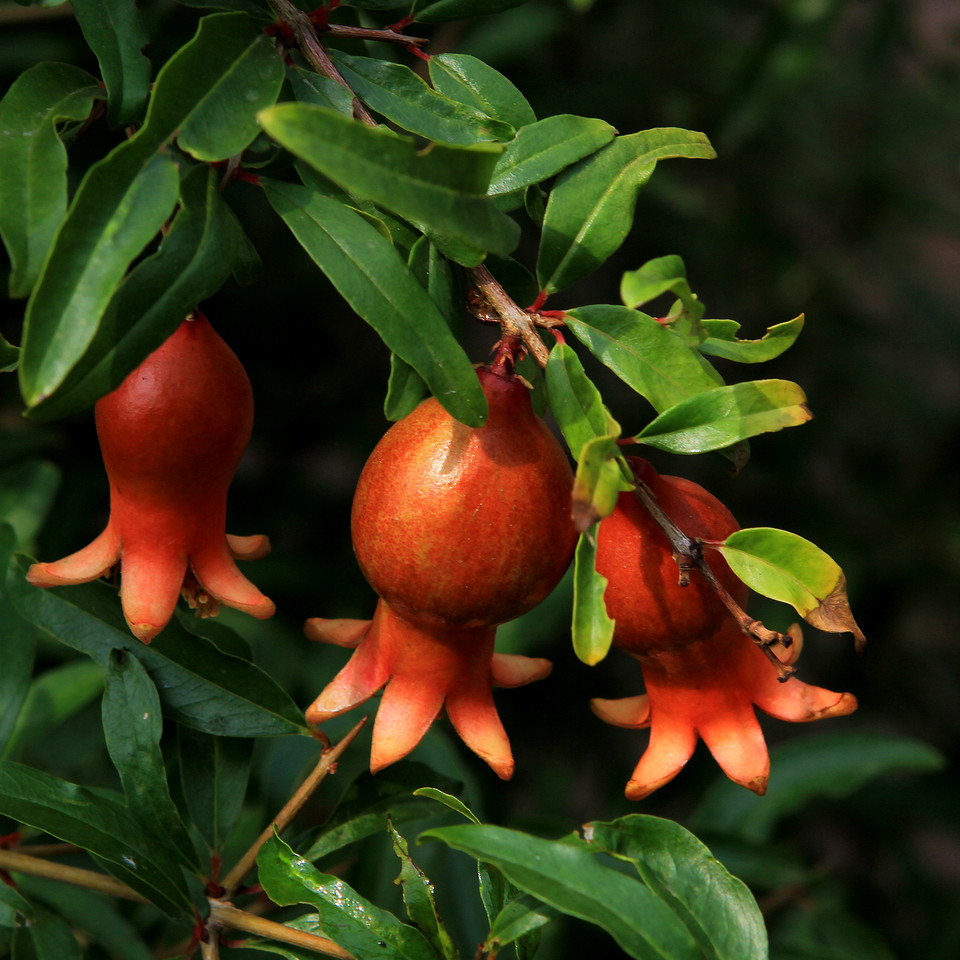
{"x":786,"y":567}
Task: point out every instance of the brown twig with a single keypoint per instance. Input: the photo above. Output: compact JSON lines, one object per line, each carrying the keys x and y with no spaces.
{"x":78,"y":877}
{"x":226,"y":915}
{"x":291,"y":808}
{"x":689,"y":555}
{"x":371,"y":33}
{"x":305,"y":35}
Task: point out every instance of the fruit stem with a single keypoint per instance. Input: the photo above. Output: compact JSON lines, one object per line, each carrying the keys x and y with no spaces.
{"x":688,"y":552}
{"x":514,"y":321}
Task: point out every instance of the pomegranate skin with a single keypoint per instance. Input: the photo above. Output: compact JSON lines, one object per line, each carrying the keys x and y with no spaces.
{"x":171,"y":436}
{"x":457,"y":529}
{"x":703,"y":676}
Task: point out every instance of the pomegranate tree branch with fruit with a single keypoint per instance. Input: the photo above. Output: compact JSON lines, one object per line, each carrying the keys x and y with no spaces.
{"x":498,"y":494}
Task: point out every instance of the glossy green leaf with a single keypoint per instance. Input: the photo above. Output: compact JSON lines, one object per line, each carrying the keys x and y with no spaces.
{"x":96,"y":916}
{"x":373,"y":278}
{"x":592,"y":627}
{"x":99,"y":822}
{"x":448,"y":800}
{"x":591,"y":208}
{"x":54,"y":696}
{"x":199,"y":685}
{"x":441,"y":190}
{"x":345,"y":917}
{"x":365,"y":805}
{"x":27,"y":489}
{"x":225,"y":123}
{"x":132,"y":727}
{"x":543,"y":149}
{"x":192,"y":262}
{"x":722,"y":340}
{"x":654,"y":278}
{"x":15,"y":904}
{"x":33,"y":189}
{"x":475,"y":83}
{"x":786,"y":567}
{"x":437,"y":11}
{"x":720,"y":417}
{"x":115,"y":32}
{"x":396,"y":92}
{"x":18,"y":640}
{"x":824,"y":765}
{"x":310,"y":87}
{"x":214,"y":773}
{"x":574,"y":400}
{"x":572,"y":880}
{"x":46,"y":937}
{"x":418,"y":898}
{"x":643,"y":353}
{"x":717,"y":908}
{"x":121,"y":203}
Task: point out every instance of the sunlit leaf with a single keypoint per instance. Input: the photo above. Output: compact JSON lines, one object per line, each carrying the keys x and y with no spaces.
{"x":722,"y":340}
{"x":592,"y":626}
{"x":786,"y":567}
{"x":597,"y":482}
{"x":717,"y":418}
{"x":115,"y":32}
{"x":477,"y":84}
{"x":33,"y":188}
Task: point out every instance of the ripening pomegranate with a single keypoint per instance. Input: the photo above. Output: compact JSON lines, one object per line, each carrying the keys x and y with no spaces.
{"x":458,"y":530}
{"x":171,"y":436}
{"x":703,"y":675}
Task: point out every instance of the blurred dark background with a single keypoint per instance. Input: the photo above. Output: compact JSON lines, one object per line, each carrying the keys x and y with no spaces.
{"x":835,"y":194}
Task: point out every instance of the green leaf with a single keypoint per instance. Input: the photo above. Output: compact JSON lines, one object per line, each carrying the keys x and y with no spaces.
{"x":592,"y":626}
{"x":441,"y":190}
{"x":225,"y":123}
{"x":448,"y":800}
{"x":99,"y":822}
{"x":569,"y":878}
{"x":214,"y":772}
{"x":786,"y":567}
{"x":599,"y":479}
{"x":717,"y":908}
{"x":395,"y":91}
{"x":365,"y":805}
{"x":9,"y":356}
{"x":437,"y":11}
{"x":199,"y":685}
{"x":418,"y":898}
{"x":722,"y":340}
{"x":345,"y":917}
{"x":720,"y":417}
{"x":643,"y":353}
{"x":544,"y":148}
{"x":132,"y":727}
{"x":192,"y":262}
{"x":46,"y":937}
{"x":655,"y":277}
{"x":475,"y":83}
{"x":27,"y":489}
{"x":121,"y":203}
{"x":55,"y":696}
{"x":574,"y":400}
{"x":372,"y":277}
{"x":828,"y":765}
{"x":115,"y":32}
{"x":310,"y":87}
{"x":15,"y":902}
{"x":590,"y":210}
{"x":33,"y":189}
{"x":518,"y":919}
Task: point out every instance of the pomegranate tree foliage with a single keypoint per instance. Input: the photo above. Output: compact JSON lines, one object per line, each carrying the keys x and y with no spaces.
{"x":403,"y":187}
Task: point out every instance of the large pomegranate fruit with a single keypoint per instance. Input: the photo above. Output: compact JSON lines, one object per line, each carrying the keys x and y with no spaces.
{"x":171,"y":436}
{"x":457,"y":529}
{"x":702,"y":674}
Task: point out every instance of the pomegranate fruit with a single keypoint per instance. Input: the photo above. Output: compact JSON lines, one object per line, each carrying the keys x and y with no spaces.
{"x":702,"y":674}
{"x":457,"y":529}
{"x":171,"y":436}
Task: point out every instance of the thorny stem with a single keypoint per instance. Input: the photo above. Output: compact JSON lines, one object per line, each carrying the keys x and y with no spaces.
{"x":514,"y":321}
{"x":305,"y":35}
{"x":225,"y":915}
{"x":291,"y":808}
{"x":689,"y":555}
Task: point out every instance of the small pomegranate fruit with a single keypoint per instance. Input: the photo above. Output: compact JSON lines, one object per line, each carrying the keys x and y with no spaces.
{"x":458,"y":530}
{"x":171,"y":436}
{"x":703,"y":675}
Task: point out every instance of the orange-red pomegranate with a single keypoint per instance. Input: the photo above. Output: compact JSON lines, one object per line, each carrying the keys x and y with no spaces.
{"x":171,"y":436}
{"x":703,"y":675}
{"x":458,"y":530}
